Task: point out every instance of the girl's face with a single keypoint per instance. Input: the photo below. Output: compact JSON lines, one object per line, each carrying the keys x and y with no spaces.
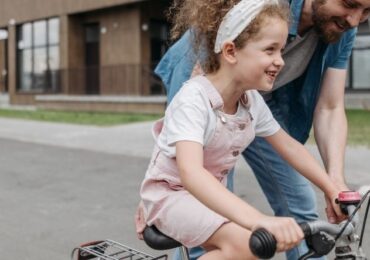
{"x":259,"y":61}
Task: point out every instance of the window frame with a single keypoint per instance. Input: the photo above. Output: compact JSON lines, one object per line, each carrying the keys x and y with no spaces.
{"x":47,"y":85}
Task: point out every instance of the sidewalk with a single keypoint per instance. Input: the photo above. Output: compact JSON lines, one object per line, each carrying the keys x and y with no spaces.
{"x":131,"y":139}
{"x":136,"y":140}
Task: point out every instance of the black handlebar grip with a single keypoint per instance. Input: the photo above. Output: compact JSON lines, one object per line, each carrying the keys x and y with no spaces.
{"x":263,"y":244}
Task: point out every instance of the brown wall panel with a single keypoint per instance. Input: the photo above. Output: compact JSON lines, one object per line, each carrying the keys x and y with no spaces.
{"x":76,"y":57}
{"x":120,"y":44}
{"x":26,"y":10}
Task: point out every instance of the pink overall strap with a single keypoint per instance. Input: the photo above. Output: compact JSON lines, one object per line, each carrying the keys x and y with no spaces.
{"x":213,"y":95}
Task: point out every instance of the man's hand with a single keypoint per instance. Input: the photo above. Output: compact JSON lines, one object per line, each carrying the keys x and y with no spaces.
{"x":332,"y":216}
{"x":330,"y":213}
{"x":140,"y":221}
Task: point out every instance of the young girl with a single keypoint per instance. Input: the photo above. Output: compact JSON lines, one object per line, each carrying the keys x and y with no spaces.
{"x":212,"y":119}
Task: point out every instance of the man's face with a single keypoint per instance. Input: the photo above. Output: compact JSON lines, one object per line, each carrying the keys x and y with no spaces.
{"x":333,"y":17}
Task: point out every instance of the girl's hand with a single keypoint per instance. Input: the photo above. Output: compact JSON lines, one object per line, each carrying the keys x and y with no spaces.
{"x":140,"y":223}
{"x":285,"y":230}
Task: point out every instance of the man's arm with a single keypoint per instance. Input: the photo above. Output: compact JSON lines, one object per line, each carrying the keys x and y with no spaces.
{"x":330,"y":123}
{"x":330,"y":127}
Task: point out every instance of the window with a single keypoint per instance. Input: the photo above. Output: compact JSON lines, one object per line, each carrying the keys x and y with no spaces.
{"x":361,"y":63}
{"x":359,"y":67}
{"x":38,"y":56}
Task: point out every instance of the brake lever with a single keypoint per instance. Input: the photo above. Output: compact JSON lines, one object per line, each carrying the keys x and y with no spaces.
{"x":320,"y":243}
{"x":307,"y":255}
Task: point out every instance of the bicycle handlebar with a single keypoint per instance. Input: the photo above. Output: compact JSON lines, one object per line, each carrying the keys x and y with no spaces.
{"x":322,"y":234}
{"x":263,"y":243}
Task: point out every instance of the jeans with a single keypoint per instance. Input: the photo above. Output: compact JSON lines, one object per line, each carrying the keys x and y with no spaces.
{"x":288,"y":193}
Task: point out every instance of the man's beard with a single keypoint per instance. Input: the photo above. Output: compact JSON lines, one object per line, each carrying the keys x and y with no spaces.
{"x":321,"y":22}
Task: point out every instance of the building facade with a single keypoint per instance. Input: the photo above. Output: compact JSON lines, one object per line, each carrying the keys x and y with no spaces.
{"x":86,"y":54}
{"x":81,"y":48}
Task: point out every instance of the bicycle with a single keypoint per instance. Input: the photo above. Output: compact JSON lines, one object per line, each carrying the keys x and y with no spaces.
{"x":321,"y":238}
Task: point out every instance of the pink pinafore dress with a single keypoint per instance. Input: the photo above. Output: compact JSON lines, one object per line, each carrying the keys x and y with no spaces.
{"x":171,"y":208}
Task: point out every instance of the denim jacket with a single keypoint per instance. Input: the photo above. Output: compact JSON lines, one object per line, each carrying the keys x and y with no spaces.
{"x":293,"y":104}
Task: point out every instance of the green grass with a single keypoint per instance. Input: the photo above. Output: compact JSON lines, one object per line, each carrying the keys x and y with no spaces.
{"x":85,"y":118}
{"x":358,"y":128}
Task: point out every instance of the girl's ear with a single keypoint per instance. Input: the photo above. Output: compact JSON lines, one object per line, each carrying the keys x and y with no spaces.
{"x":229,"y":52}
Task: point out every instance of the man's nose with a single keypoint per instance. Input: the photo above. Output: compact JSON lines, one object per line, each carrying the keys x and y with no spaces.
{"x":354,"y":18}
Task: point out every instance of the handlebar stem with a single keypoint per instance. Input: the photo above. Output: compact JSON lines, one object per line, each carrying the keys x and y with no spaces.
{"x":333,"y":229}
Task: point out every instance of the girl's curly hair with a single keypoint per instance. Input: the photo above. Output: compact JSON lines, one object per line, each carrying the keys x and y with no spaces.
{"x":204,"y":17}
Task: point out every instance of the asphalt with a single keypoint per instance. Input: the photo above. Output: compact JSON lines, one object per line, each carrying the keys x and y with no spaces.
{"x":64,"y":184}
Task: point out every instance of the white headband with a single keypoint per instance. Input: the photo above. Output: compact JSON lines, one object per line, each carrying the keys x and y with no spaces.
{"x":237,"y":19}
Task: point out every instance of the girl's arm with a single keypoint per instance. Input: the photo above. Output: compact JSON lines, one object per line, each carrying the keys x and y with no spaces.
{"x":208,"y":190}
{"x":300,"y":159}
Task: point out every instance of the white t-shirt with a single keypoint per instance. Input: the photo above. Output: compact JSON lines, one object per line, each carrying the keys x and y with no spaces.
{"x":190,"y":117}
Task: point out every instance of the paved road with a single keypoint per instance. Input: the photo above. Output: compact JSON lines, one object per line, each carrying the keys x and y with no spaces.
{"x":64,"y":184}
{"x":54,"y":198}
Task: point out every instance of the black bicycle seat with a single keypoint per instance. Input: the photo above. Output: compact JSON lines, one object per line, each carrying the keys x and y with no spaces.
{"x":157,"y":240}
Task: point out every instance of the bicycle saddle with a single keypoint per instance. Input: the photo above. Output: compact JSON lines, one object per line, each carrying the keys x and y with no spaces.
{"x":157,"y":240}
